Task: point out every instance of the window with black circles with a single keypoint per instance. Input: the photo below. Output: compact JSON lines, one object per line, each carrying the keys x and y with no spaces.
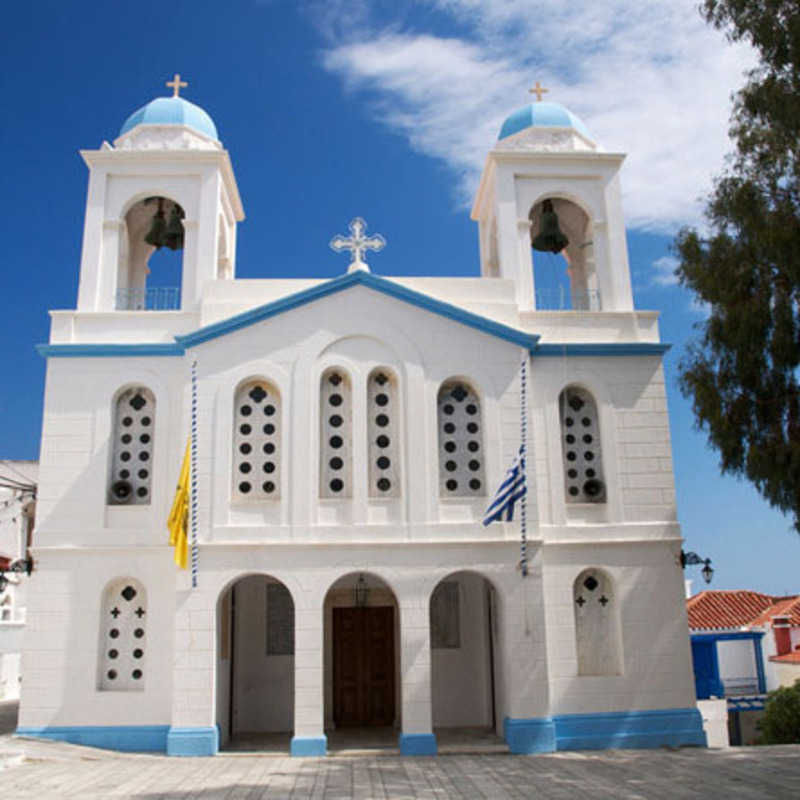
{"x":461,"y":460}
{"x":256,"y":442}
{"x":122,"y":636}
{"x":336,"y":432}
{"x":132,"y":450}
{"x":383,"y":433}
{"x":580,"y":442}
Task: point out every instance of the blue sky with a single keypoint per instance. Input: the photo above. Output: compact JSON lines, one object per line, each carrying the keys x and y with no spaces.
{"x":385,"y":110}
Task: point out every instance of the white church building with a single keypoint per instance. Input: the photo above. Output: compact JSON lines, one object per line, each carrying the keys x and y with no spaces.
{"x":350,"y":434}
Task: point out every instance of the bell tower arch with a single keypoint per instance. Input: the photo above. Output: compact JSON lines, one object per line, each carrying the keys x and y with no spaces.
{"x":544,"y":175}
{"x":165,"y":182}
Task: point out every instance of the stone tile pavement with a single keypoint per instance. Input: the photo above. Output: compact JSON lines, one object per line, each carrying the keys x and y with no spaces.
{"x":53,"y":770}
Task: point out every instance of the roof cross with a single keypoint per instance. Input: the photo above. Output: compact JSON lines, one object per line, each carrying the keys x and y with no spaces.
{"x":538,"y":90}
{"x":176,"y":84}
{"x":357,"y":243}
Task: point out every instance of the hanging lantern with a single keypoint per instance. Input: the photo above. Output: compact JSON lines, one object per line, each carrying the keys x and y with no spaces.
{"x":173,"y":237}
{"x":361,"y":592}
{"x":158,"y":227}
{"x":550,"y":239}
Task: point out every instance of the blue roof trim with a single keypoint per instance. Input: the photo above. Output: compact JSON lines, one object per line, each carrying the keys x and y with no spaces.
{"x":611,"y":349}
{"x":360,"y":278}
{"x":108,"y":350}
{"x":724,"y":637}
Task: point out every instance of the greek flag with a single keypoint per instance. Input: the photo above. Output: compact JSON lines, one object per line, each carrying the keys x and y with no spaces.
{"x":512,"y":489}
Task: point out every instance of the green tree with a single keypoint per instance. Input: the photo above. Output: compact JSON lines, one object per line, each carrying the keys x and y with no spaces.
{"x":781,"y":721}
{"x":741,"y":372}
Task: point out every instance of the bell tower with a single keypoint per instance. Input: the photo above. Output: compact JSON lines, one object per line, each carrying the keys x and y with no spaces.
{"x":165,"y":182}
{"x":545,"y":182}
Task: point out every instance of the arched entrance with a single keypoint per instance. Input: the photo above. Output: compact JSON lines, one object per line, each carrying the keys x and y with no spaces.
{"x":255,"y":664}
{"x":465,"y":679}
{"x":362,"y":662}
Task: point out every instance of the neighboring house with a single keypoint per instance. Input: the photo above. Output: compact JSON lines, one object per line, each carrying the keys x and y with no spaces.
{"x":744,"y":644}
{"x":350,"y":434}
{"x":17,"y":512}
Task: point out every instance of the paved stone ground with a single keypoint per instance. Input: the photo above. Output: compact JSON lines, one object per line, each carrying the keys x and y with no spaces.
{"x":52,"y":771}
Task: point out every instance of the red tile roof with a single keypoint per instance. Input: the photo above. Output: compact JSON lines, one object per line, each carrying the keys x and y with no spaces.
{"x":788,"y":658}
{"x":784,"y":606}
{"x":711,"y":610}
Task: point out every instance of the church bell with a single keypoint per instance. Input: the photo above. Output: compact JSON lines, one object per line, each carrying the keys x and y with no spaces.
{"x":163,"y":233}
{"x":173,"y":237}
{"x":550,"y":239}
{"x":158,"y":227}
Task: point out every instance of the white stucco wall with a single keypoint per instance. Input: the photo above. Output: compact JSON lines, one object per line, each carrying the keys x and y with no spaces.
{"x":409,"y":543}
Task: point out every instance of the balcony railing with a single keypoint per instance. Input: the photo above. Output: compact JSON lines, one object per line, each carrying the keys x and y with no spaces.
{"x":155,"y":298}
{"x":563,"y":299}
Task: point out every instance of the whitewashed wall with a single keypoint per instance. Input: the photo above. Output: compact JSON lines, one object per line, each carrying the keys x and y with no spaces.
{"x":411,"y":542}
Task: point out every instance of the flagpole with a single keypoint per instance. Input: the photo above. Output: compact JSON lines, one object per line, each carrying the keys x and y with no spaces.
{"x":194,"y":476}
{"x":523,"y":424}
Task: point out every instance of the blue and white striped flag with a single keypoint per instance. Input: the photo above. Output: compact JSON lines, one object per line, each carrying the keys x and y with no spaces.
{"x":512,"y":489}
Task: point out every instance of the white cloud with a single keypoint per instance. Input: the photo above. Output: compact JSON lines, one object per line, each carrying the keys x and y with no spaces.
{"x":700,"y":307}
{"x":650,"y":79}
{"x":664,"y":271}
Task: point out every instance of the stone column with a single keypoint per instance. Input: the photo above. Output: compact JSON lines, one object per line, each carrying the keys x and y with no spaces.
{"x":416,"y":738}
{"x":309,"y":725}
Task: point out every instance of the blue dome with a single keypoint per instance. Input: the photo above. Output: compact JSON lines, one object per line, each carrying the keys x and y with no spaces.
{"x":542,"y":115}
{"x":171,"y":111}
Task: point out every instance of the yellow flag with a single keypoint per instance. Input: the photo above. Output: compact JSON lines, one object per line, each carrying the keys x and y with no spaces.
{"x":178,"y":519}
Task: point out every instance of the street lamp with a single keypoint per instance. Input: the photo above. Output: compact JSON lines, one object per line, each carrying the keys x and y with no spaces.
{"x":692,"y":558}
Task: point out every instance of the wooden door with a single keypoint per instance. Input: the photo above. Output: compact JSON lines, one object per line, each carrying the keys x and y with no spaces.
{"x":363,"y":666}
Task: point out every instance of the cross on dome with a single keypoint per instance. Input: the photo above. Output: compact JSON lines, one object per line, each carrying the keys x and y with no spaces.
{"x":176,"y":84}
{"x":358,"y":244}
{"x":538,"y":90}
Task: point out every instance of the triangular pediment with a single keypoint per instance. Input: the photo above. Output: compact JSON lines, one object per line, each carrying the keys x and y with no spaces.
{"x":373,"y":282}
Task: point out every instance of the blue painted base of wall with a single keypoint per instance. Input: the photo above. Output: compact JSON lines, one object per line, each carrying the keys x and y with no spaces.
{"x":417,"y":744}
{"x":193,"y":741}
{"x":525,"y":736}
{"x":129,"y":738}
{"x":308,"y":746}
{"x":678,"y":727}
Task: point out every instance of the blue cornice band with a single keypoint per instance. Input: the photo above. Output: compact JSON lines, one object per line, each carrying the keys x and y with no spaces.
{"x":127,"y":738}
{"x":610,"y":349}
{"x":530,"y":341}
{"x":417,"y":744}
{"x":309,"y":746}
{"x":193,"y":741}
{"x":679,"y":727}
{"x":108,"y":350}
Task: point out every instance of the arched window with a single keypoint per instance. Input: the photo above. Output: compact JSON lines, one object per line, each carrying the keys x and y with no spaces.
{"x":336,"y":434}
{"x":597,"y":631}
{"x":256,"y":442}
{"x":132,"y":450}
{"x":580,"y":441}
{"x":123,"y":644}
{"x":461,"y":468}
{"x":383,"y":433}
